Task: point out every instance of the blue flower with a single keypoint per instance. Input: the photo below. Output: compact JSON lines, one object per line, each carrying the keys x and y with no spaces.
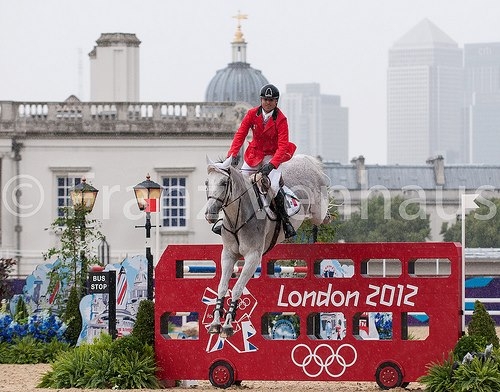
{"x":42,"y":327}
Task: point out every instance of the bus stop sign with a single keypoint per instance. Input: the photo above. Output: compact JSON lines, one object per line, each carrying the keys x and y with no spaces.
{"x":98,"y":282}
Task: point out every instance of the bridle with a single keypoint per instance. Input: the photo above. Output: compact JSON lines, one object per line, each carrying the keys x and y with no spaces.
{"x":227,"y":192}
{"x":226,"y":201}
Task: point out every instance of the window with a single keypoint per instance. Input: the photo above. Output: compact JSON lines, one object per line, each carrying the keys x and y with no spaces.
{"x":64,"y":186}
{"x":174,"y":211}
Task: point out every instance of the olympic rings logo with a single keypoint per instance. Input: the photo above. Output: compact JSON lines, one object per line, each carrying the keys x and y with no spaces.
{"x":324,"y":362}
{"x":242,"y":303}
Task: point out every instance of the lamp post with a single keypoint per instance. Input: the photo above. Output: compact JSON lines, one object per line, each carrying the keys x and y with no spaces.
{"x":83,"y":197}
{"x":146,"y":194}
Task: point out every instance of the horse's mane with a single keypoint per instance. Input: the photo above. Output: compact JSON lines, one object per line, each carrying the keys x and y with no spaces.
{"x":240,"y":182}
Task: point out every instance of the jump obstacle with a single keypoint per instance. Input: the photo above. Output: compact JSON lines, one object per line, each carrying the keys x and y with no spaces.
{"x":356,"y":326}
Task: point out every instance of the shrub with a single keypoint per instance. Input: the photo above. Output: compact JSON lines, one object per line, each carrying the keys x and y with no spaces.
{"x":479,"y":372}
{"x":68,"y":370}
{"x":482,"y":373}
{"x":28,"y":350}
{"x":21,"y":313}
{"x":52,"y":349}
{"x":104,"y":364}
{"x":144,"y":327}
{"x":127,"y":344}
{"x":468,"y":344}
{"x":25,"y":350}
{"x":72,"y":317}
{"x":478,"y":376}
{"x":439,"y":376}
{"x":136,"y":372}
{"x":482,"y":324}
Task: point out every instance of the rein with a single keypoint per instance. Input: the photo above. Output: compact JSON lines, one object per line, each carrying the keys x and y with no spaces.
{"x":228,"y":203}
{"x":236,"y":226}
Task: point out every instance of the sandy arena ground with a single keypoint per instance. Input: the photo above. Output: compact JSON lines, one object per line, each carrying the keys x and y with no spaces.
{"x":24,"y":378}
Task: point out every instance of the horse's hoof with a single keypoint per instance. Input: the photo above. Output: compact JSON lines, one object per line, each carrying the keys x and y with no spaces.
{"x":215,"y":329}
{"x":227,"y":332}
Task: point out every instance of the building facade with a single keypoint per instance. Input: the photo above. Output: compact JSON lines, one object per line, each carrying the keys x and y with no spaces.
{"x":425,"y":98}
{"x":318,"y":124}
{"x":482,"y":101}
{"x":47,"y":147}
{"x":435,"y":187}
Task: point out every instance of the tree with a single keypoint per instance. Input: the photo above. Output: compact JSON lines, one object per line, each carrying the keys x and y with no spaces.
{"x":77,"y":250}
{"x":72,"y":317}
{"x":483,"y":325}
{"x":308,"y":233}
{"x":144,"y":327}
{"x":381,"y":220}
{"x":482,"y":226}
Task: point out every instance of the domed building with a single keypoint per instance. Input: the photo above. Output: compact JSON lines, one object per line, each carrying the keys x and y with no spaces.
{"x":238,"y":82}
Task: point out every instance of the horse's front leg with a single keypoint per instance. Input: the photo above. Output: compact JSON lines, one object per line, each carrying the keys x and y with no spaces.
{"x":252,"y":261}
{"x":228,"y":260}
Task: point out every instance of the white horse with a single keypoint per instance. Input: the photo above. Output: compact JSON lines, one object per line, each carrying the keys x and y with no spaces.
{"x":250,"y":230}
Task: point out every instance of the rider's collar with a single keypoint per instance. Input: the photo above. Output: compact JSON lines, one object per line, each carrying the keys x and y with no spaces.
{"x":266,"y":115}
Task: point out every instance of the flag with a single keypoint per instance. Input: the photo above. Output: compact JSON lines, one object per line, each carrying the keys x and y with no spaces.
{"x":151,"y":205}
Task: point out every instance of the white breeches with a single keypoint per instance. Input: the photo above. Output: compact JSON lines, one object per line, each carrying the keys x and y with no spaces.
{"x":274,"y":176}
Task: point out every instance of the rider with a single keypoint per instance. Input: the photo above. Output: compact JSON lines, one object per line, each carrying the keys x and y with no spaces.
{"x":269,"y":147}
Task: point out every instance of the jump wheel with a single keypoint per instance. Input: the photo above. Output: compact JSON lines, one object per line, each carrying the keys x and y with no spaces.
{"x":389,"y":375}
{"x":221,"y":374}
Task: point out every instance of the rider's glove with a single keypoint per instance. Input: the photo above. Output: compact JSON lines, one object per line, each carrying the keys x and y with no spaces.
{"x":235,"y":160}
{"x":266,"y":169}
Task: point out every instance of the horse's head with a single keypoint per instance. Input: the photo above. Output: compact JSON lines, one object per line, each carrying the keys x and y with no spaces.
{"x":217,"y":185}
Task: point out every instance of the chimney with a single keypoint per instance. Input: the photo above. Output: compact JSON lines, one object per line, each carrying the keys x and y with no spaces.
{"x":438,"y":163}
{"x":114,"y":68}
{"x":359,"y":163}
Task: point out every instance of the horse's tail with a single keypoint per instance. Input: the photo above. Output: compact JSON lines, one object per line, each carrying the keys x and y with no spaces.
{"x":312,"y":172}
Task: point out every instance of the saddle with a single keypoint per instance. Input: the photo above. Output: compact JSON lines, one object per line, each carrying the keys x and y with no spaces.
{"x":261,"y":185}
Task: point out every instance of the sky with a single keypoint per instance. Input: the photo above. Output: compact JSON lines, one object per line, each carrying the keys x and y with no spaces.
{"x":341,"y":44}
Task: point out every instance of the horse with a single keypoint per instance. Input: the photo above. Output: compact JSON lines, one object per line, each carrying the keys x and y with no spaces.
{"x":249,"y":228}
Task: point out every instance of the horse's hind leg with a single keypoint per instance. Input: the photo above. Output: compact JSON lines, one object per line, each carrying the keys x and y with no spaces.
{"x":228,"y":259}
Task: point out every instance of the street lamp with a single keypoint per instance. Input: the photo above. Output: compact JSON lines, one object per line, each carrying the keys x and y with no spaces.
{"x":83,"y":197}
{"x":146,"y":194}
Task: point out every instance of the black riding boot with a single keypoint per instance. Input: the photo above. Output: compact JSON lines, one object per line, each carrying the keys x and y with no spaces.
{"x":280,"y":209}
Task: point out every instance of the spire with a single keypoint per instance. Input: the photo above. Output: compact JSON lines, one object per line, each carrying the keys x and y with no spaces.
{"x":238,"y":36}
{"x":239,"y":45}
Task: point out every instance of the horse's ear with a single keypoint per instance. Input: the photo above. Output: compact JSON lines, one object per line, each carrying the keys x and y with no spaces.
{"x":209,"y":161}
